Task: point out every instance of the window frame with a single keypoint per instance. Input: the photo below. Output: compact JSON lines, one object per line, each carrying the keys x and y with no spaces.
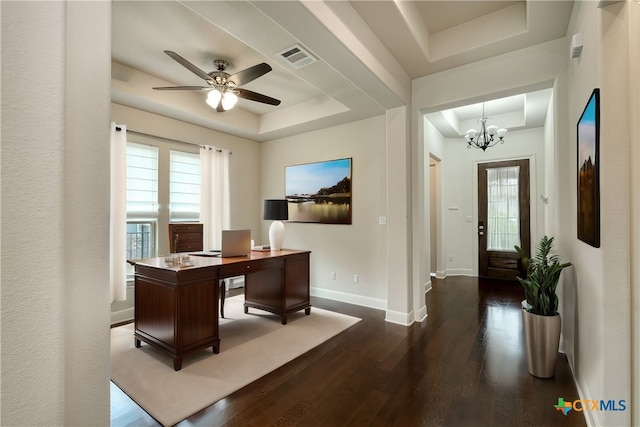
{"x":162,"y":219}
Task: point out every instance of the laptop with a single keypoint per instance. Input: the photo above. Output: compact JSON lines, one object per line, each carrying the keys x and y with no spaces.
{"x":235,"y":243}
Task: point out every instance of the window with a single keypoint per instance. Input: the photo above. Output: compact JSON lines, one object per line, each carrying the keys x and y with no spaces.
{"x":163,"y":185}
{"x":184,"y":186}
{"x":140,"y":239}
{"x":142,"y":201}
{"x":503,"y":214}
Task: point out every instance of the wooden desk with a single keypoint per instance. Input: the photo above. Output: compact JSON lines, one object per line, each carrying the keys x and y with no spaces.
{"x":176,"y":307}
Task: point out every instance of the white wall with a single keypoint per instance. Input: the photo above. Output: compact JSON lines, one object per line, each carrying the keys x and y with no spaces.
{"x":598,"y":347}
{"x":55,"y":199}
{"x":460,"y":193}
{"x":359,"y":248}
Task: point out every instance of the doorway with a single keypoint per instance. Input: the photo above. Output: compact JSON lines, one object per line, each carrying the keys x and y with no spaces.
{"x":434,"y":217}
{"x":503,"y":217}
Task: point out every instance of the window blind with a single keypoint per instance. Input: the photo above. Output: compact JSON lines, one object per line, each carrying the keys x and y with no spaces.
{"x":184,"y":186}
{"x":142,"y":179}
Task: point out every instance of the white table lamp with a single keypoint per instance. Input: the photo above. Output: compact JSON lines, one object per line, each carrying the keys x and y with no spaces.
{"x":276,"y":210}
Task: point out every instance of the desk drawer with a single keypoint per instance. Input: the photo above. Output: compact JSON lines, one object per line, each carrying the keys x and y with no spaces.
{"x":247,"y":267}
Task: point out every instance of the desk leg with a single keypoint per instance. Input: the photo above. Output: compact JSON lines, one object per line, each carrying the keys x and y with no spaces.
{"x":137,"y":342}
{"x":223,"y":293}
{"x":307,"y":311}
{"x":177,"y":364}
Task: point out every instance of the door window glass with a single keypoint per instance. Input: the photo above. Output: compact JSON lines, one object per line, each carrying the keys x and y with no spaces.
{"x":503,"y":216}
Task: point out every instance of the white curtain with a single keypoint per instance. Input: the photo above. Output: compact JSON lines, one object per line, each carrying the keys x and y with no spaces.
{"x":214,"y":194}
{"x":118,"y":214}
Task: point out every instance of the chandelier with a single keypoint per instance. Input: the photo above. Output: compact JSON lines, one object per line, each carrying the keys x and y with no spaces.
{"x":487,"y":137}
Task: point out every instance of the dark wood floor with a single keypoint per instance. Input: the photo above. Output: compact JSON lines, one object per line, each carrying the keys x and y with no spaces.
{"x":463,"y":366}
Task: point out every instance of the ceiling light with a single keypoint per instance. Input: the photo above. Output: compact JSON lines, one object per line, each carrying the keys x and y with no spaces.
{"x":214,"y":98}
{"x":229,"y":99}
{"x":486,"y":137}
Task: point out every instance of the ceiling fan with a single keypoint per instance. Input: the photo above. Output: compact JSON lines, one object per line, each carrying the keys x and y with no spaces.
{"x":223,"y":87}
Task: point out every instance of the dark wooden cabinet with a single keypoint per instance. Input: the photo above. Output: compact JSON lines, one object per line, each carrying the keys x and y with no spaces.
{"x":185,"y":237}
{"x":177,"y":310}
{"x":282,"y":288}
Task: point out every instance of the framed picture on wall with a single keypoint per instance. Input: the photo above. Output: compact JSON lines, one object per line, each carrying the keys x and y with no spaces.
{"x":589,"y":172}
{"x":319,"y":192}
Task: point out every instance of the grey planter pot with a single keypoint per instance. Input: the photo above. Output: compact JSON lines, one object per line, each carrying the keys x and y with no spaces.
{"x":542,"y":338}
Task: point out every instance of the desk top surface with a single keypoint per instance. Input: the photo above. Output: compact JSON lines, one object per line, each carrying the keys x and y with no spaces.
{"x":207,"y":261}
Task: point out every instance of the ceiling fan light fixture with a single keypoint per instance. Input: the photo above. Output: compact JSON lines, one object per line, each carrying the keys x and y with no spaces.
{"x":214,"y":98}
{"x":223,"y":87}
{"x":229,"y":99}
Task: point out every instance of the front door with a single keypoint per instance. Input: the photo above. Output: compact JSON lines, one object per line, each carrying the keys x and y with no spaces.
{"x":503,"y":217}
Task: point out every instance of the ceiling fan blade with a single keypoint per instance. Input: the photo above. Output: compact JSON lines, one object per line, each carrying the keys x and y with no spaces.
{"x":245,"y":76}
{"x":182,"y":88}
{"x":253,"y":96}
{"x":188,"y":65}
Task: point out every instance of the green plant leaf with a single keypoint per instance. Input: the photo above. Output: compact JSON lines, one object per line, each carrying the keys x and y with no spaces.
{"x":543,"y":274}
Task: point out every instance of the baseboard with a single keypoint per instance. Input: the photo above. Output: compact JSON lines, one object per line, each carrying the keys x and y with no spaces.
{"x":121,"y":316}
{"x":349,"y":298}
{"x":391,"y":316}
{"x":428,"y":286}
{"x":421,"y":315}
{"x":454,"y":272}
{"x":404,"y":319}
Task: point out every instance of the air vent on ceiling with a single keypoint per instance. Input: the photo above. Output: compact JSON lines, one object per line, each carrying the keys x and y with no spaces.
{"x":298,"y":56}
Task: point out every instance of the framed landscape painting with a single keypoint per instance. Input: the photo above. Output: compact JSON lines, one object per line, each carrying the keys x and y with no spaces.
{"x":319,"y":192}
{"x":589,"y":172}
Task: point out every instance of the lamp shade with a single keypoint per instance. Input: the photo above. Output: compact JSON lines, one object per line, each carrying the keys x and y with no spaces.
{"x":276,"y":209}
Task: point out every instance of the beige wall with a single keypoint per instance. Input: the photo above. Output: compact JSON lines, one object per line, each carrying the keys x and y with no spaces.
{"x":55,"y":199}
{"x":634,"y":158}
{"x":598,"y":346}
{"x":359,"y":248}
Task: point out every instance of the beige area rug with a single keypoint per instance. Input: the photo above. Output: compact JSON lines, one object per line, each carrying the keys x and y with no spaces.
{"x":251,"y":346}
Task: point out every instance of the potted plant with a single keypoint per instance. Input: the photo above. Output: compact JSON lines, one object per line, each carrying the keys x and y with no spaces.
{"x":540,"y":316}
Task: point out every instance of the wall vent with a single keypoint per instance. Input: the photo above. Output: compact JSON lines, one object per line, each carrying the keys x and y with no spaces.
{"x":298,"y":56}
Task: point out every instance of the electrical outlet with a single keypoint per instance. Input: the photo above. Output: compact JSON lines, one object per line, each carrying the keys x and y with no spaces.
{"x":450,"y":258}
{"x":333,"y":275}
{"x":356,"y":278}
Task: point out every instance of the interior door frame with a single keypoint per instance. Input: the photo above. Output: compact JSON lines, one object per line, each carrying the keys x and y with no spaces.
{"x":534,"y":215}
